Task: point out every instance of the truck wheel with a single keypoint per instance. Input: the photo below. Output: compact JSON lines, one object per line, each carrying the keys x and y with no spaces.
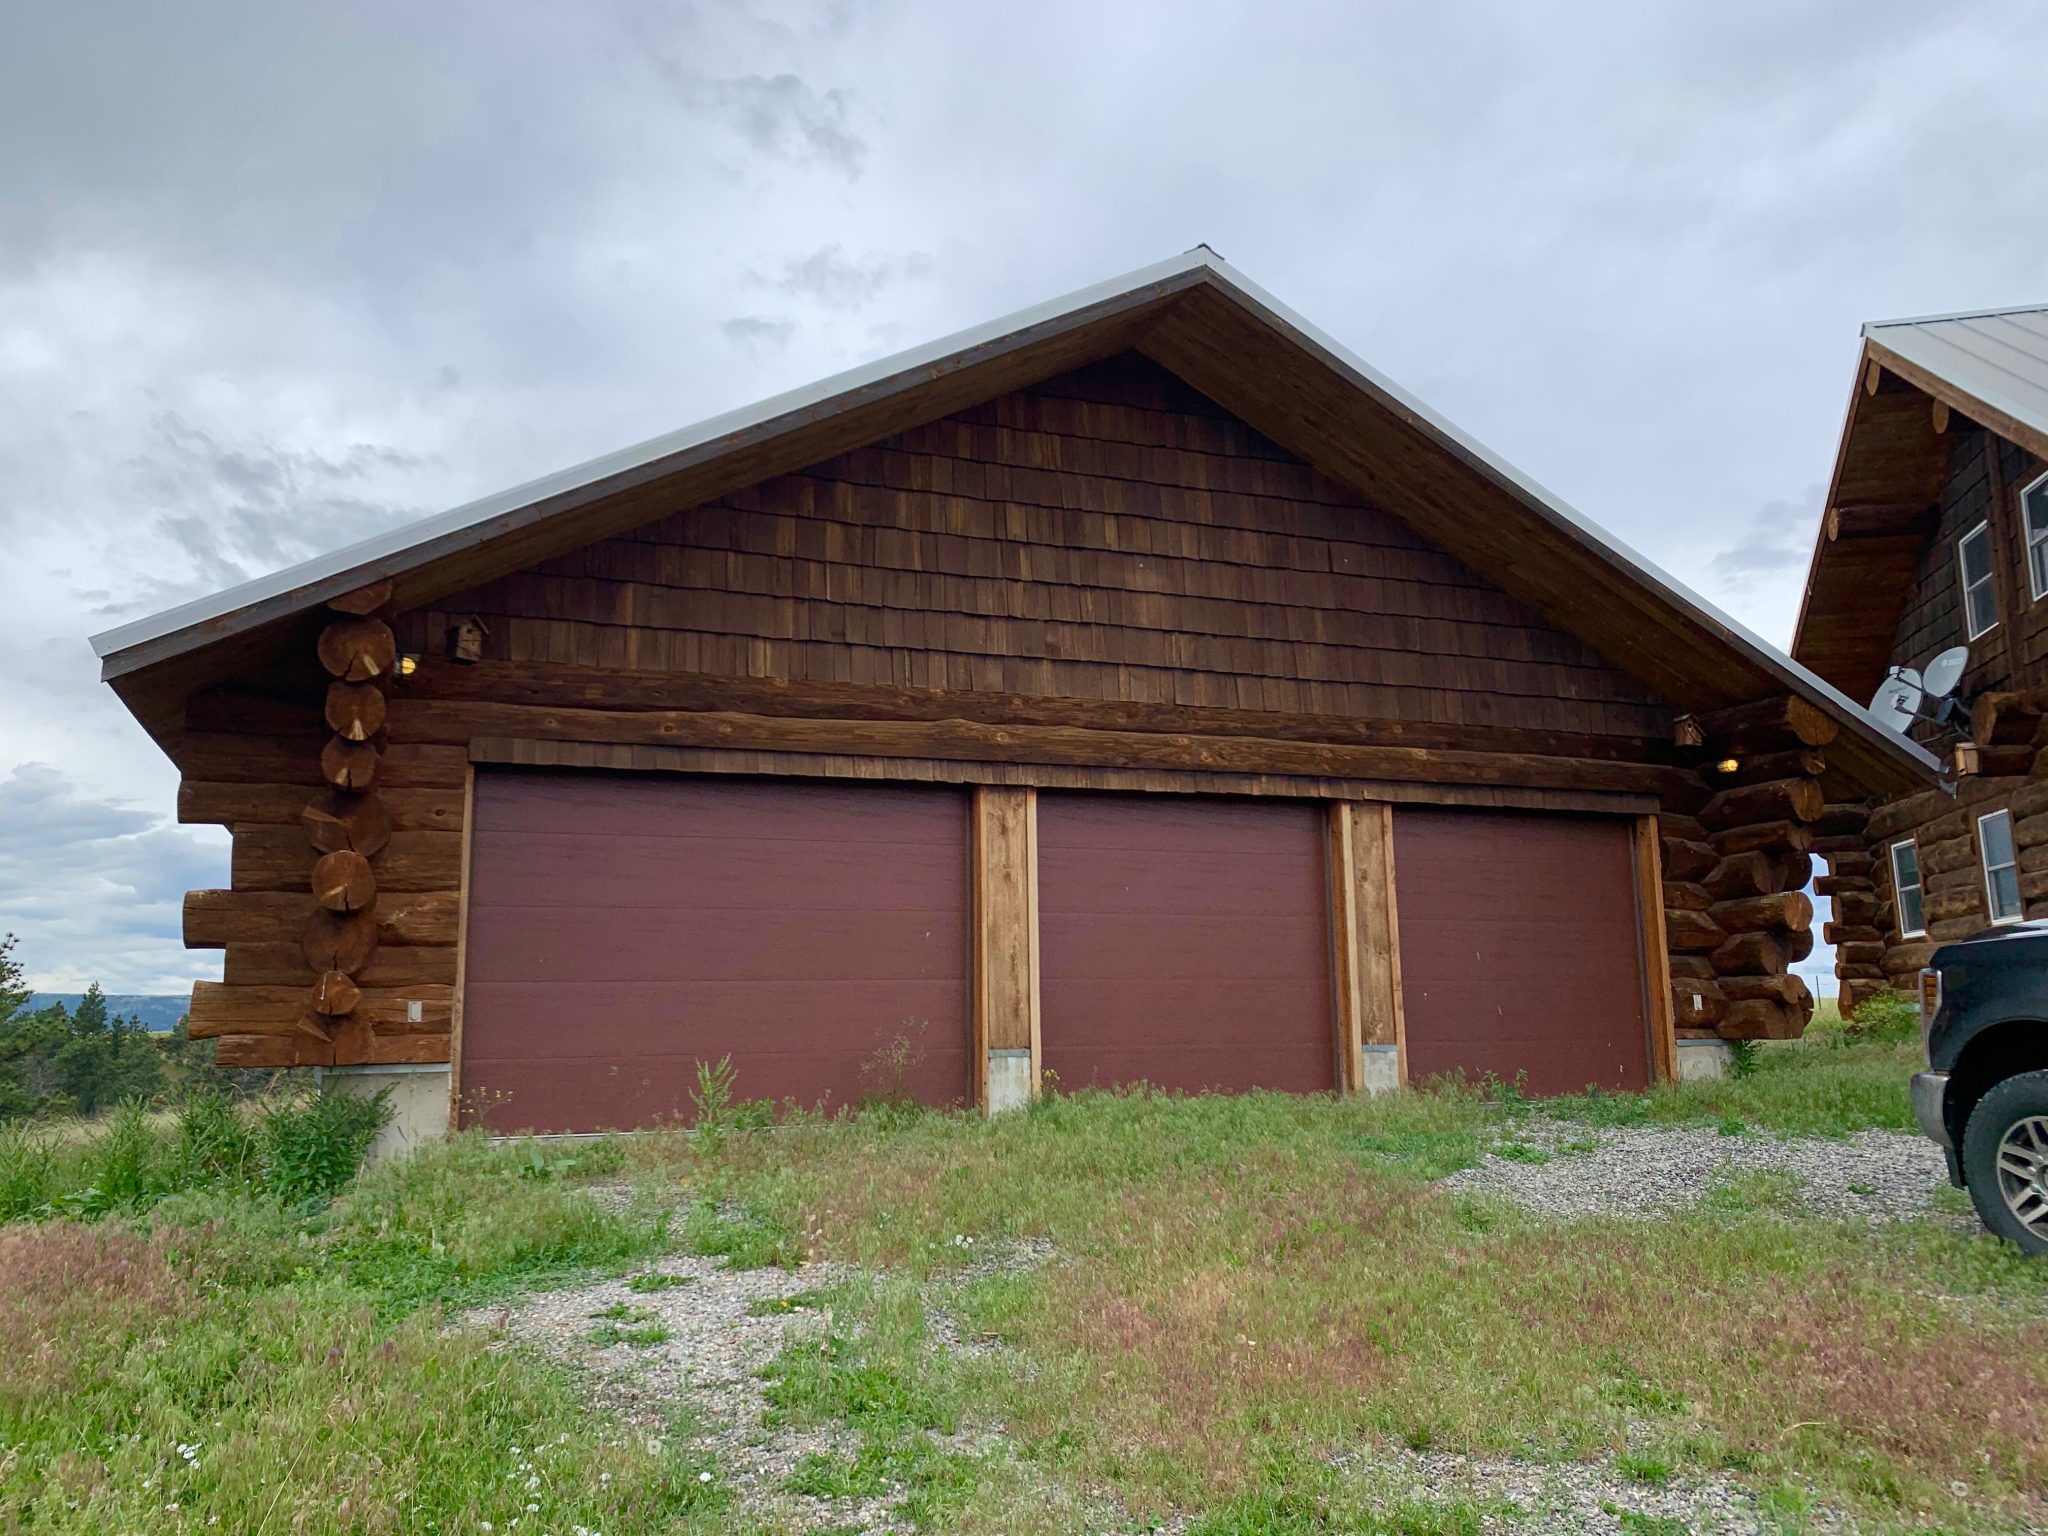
{"x":2005,"y":1160}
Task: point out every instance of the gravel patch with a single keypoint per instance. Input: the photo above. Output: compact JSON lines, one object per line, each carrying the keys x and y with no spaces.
{"x":1874,"y":1176}
{"x":1591,"y":1497}
{"x":710,"y":1361}
{"x":942,"y":1324}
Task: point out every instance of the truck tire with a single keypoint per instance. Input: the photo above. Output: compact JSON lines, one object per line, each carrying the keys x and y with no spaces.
{"x":2005,"y":1160}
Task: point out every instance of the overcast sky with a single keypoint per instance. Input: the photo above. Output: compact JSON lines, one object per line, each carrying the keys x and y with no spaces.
{"x":274,"y":277}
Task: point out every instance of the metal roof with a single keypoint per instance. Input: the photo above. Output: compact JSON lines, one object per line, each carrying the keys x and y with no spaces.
{"x":1996,"y":356}
{"x":205,"y":621}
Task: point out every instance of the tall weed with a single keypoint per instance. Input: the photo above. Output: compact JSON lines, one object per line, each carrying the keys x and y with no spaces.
{"x":313,"y":1146}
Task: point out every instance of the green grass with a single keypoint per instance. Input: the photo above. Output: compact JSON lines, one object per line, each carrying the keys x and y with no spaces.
{"x":648,"y":1284}
{"x":1247,"y":1282}
{"x":218,"y":1353}
{"x":1241,"y":1288}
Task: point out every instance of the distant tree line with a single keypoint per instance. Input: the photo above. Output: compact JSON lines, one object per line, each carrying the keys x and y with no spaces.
{"x":77,"y":1061}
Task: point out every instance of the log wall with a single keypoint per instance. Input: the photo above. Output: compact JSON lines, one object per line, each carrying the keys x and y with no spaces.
{"x":2007,"y":688}
{"x":1102,"y":581}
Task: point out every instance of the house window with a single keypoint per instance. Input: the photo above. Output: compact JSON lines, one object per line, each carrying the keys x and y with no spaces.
{"x":2001,"y":866}
{"x":2034,"y":508}
{"x":1973,"y":564}
{"x":1906,"y":888}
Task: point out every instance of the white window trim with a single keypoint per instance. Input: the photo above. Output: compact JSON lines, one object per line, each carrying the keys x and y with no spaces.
{"x":2035,"y":536}
{"x":1898,"y":906}
{"x":1984,"y":863}
{"x":1990,"y":580}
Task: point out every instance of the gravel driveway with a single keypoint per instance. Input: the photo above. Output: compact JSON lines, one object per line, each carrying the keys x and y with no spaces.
{"x":1565,"y":1170}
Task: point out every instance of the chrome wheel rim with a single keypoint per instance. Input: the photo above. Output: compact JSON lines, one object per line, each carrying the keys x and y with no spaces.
{"x":2023,"y":1172}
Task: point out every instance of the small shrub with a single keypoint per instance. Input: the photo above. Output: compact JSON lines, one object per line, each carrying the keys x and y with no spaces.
{"x":887,"y":1073}
{"x":215,"y":1140}
{"x":1890,"y":1018}
{"x":28,"y":1172}
{"x":128,"y":1165}
{"x":712,"y":1099}
{"x":1742,"y":1058}
{"x":313,"y":1146}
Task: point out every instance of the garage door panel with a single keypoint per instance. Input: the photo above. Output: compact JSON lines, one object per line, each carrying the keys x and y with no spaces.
{"x":1183,"y":942}
{"x":1123,"y":880}
{"x":621,"y":930}
{"x":604,"y":945}
{"x":1257,"y":950}
{"x":711,"y":808}
{"x":1520,"y":953}
{"x":728,"y":872}
{"x":551,"y":1020}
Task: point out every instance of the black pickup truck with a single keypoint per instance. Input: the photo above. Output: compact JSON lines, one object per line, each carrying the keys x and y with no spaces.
{"x":1984,"y":1095}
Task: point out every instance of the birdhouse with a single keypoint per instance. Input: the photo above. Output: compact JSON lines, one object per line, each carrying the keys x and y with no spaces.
{"x":466,"y":639}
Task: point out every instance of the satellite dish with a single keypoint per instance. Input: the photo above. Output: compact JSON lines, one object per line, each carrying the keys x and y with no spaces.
{"x":1896,"y":704}
{"x":1945,"y":671}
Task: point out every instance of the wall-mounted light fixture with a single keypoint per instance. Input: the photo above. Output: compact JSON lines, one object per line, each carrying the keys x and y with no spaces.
{"x":1727,"y":765}
{"x":407,"y":665}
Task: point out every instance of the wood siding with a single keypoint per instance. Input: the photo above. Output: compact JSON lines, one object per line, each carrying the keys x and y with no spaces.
{"x":1985,"y":476}
{"x":1109,"y":534}
{"x":1104,"y":581}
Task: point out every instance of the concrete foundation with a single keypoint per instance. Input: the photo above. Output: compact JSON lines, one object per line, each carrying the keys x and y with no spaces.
{"x":1699,"y":1059}
{"x":1009,"y":1080}
{"x":1382,"y":1069}
{"x":419,"y":1102}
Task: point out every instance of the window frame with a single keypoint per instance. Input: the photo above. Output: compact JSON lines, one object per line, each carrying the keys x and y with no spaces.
{"x":1984,"y":863}
{"x":2037,"y":538}
{"x":1989,"y":583}
{"x":1899,"y":885}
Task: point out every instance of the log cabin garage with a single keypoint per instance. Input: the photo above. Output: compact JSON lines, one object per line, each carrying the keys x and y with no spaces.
{"x":1136,"y":690}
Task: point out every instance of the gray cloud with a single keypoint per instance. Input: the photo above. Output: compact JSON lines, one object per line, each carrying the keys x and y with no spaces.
{"x":759,"y":330}
{"x":831,"y":278}
{"x":1777,"y":538}
{"x":278,"y":277}
{"x":783,"y":117}
{"x":93,"y":887}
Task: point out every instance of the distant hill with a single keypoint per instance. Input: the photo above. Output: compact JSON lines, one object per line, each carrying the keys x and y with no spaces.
{"x":159,"y":1013}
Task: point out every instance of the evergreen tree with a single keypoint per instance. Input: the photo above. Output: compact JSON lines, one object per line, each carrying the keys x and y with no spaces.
{"x":53,"y":1061}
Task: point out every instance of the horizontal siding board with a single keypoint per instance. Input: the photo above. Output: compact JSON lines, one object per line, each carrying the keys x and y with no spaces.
{"x":1106,"y":535}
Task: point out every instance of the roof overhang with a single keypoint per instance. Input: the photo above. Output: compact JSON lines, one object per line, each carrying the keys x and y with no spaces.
{"x":1913,"y":377}
{"x":1196,"y":317}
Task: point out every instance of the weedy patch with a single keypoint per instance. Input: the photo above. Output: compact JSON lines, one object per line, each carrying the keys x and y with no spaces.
{"x":648,"y":1284}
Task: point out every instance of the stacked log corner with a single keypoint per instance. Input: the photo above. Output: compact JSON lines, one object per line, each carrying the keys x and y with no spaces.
{"x":1735,"y":873}
{"x":348,"y":826}
{"x":1851,"y":885}
{"x":342,"y":920}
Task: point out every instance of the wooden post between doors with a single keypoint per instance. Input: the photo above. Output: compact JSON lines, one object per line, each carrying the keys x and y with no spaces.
{"x":1005,"y":924}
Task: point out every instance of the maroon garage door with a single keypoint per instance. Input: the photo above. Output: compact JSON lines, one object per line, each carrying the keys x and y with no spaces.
{"x":1182,"y":943}
{"x":1519,"y":948}
{"x":623,"y":929}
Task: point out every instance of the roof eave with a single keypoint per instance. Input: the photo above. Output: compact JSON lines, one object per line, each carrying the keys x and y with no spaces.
{"x":252,"y":604}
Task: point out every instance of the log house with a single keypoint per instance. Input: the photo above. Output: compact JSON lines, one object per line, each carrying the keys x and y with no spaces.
{"x":1932,"y":537}
{"x":1137,"y":689}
